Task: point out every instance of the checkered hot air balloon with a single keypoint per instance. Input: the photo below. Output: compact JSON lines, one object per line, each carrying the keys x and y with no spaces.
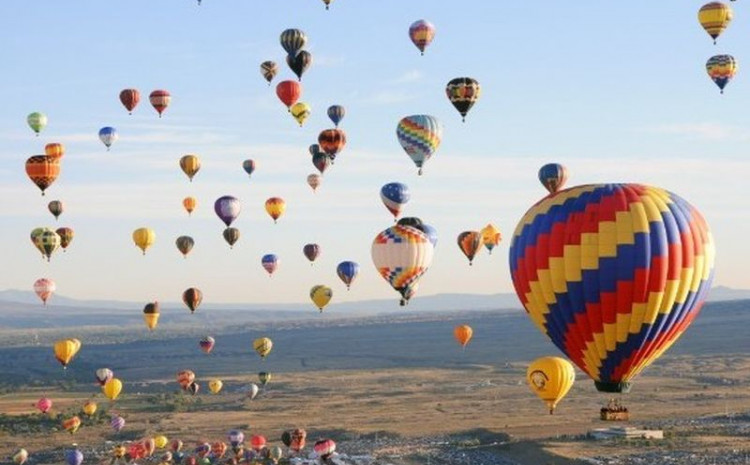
{"x":420,"y":137}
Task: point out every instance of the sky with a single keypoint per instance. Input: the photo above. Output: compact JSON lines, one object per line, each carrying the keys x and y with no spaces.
{"x":615,"y":91}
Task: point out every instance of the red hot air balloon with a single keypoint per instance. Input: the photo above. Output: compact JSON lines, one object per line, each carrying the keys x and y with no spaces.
{"x":325,"y":448}
{"x":160,"y":100}
{"x":289,"y":92}
{"x":44,"y":405}
{"x":129,"y":99}
{"x":332,"y":141}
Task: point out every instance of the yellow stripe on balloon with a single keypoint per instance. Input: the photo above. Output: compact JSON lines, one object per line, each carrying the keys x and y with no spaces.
{"x":625,"y":228}
{"x":589,"y":251}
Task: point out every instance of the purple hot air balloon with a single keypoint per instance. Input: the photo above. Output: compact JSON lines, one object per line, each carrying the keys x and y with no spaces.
{"x":227,"y":208}
{"x":236,"y":438}
{"x":117,"y":423}
{"x":311,"y":251}
{"x":73,"y":456}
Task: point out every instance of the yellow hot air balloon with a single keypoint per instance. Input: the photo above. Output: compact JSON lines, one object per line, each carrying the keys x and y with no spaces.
{"x":490,"y":236}
{"x":190,"y":165}
{"x":551,"y":378}
{"x":66,"y":349}
{"x":144,"y":238}
{"x":320,"y":296}
{"x":151,"y":314}
{"x":300,"y":111}
{"x":89,"y":408}
{"x":160,"y":441}
{"x":263,"y":346}
{"x":715,"y":18}
{"x":215,"y":386}
{"x":275,"y":206}
{"x":112,"y":389}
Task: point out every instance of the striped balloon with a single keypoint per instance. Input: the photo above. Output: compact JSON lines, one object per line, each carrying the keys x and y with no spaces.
{"x":421,"y":34}
{"x":463,"y":93}
{"x":293,"y":40}
{"x":715,"y":18}
{"x":553,"y":176}
{"x":420,"y":136}
{"x":402,"y":254}
{"x":269,"y":69}
{"x":43,"y":170}
{"x":160,"y":100}
{"x":394,"y":196}
{"x":721,"y":69}
{"x":613,"y":274}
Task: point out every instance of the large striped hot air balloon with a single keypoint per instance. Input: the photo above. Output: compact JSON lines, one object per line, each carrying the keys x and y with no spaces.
{"x":43,"y":170}
{"x":401,"y":255}
{"x":293,"y":40}
{"x":420,"y":137}
{"x":613,"y":274}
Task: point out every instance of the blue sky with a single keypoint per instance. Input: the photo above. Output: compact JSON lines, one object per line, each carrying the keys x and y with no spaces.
{"x":616,"y":91}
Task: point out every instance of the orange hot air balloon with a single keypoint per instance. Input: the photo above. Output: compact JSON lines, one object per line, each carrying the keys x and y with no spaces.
{"x":160,"y":100}
{"x":469,"y":242}
{"x":289,"y":92}
{"x":42,"y":170}
{"x":129,"y":99}
{"x":463,"y":334}
{"x":71,"y":425}
{"x":189,"y":203}
{"x":332,"y":141}
{"x":66,"y":236}
{"x":185,"y":378}
{"x":149,"y":445}
{"x":55,"y":150}
{"x":275,"y":206}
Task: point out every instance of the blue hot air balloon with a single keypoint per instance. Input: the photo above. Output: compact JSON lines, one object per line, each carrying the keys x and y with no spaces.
{"x":336,"y":113}
{"x":108,"y":135}
{"x":348,"y":272}
{"x":73,"y":456}
{"x":553,"y":176}
{"x":394,"y":196}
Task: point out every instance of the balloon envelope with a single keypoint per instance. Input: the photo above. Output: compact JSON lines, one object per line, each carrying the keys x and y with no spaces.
{"x":550,"y":378}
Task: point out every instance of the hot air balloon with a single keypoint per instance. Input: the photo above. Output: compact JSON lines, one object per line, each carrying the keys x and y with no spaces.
{"x":189,"y":203}
{"x":715,"y":18}
{"x":314,"y":181}
{"x":269,"y":69}
{"x":66,"y":349}
{"x":137,"y":451}
{"x":44,"y":288}
{"x":119,"y":451}
{"x":263,"y":346}
{"x":270,"y":262}
{"x":160,"y":441}
{"x":288,"y":92}
{"x":55,"y":207}
{"x":420,"y":137}
{"x":275,"y":206}
{"x":42,"y":170}
{"x":218,"y":449}
{"x":463,"y":334}
{"x":490,"y":237}
{"x":550,"y":378}
{"x":249,"y":167}
{"x":257,"y":442}
{"x":401,"y":255}
{"x":321,"y":295}
{"x":117,"y":423}
{"x":327,"y":2}
{"x":553,"y":176}
{"x":293,"y":40}
{"x":184,"y":245}
{"x":66,"y":236}
{"x":469,"y":242}
{"x":421,"y":34}
{"x":207,"y":344}
{"x":721,"y":69}
{"x":44,"y":404}
{"x":236,"y":438}
{"x":231,"y":236}
{"x":297,"y":440}
{"x":36,"y":121}
{"x":299,"y":62}
{"x":215,"y":386}
{"x":264,"y":377}
{"x":72,"y":424}
{"x":55,"y":150}
{"x":613,"y":300}
{"x":252,"y":391}
{"x":275,"y":454}
{"x":192,"y":297}
{"x":394,"y":196}
{"x":311,"y":251}
{"x":190,"y":165}
{"x":227,"y":208}
{"x":185,"y":378}
{"x":46,"y":241}
{"x":431,"y":234}
{"x":73,"y":456}
{"x":175,"y":445}
{"x":347,"y":272}
{"x":129,"y":99}
{"x":336,"y":113}
{"x":89,"y":408}
{"x":286,"y":438}
{"x":160,"y":100}
{"x":300,"y":111}
{"x":112,"y":389}
{"x":20,"y":456}
{"x":150,"y":445}
{"x":325,"y":448}
{"x":321,"y":161}
{"x":103,"y":375}
{"x":108,"y":136}
{"x":463,"y":93}
{"x":151,"y":314}
{"x":144,"y":238}
{"x":193,"y":388}
{"x":332,"y":142}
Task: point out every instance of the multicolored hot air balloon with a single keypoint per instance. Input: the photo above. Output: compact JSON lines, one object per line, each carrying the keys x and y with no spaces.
{"x":463,"y":93}
{"x":43,"y":170}
{"x":249,"y":167}
{"x":108,"y":136}
{"x":332,"y":142}
{"x":336,"y":113}
{"x":614,"y":288}
{"x":160,"y":100}
{"x":263,"y":346}
{"x":192,"y":297}
{"x":314,"y":180}
{"x":715,"y":18}
{"x":103,"y":375}
{"x":421,"y":34}
{"x":56,"y":207}
{"x":72,"y":424}
{"x":185,"y":378}
{"x":293,"y":40}
{"x":470,"y":242}
{"x":47,"y":241}
{"x":184,"y":245}
{"x":288,"y":92}
{"x":44,"y":288}
{"x":550,"y":378}
{"x":112,"y":389}
{"x":347,"y":271}
{"x":299,"y":62}
{"x":402,"y":254}
{"x":189,"y":204}
{"x":144,"y":238}
{"x":420,"y":137}
{"x":325,"y":448}
{"x":721,"y":69}
{"x":321,"y":295}
{"x":54,"y":150}
{"x":44,"y":404}
{"x":193,"y":388}
{"x":66,"y":236}
{"x":297,"y":439}
{"x":463,"y":334}
{"x":37,"y":121}
{"x":190,"y":165}
{"x":394,"y":196}
{"x":269,"y":69}
{"x":270,"y":262}
{"x":66,"y":349}
{"x":275,"y":207}
{"x":231,"y":236}
{"x":491,"y":237}
{"x":236,"y":438}
{"x":151,"y":315}
{"x":300,"y":111}
{"x":129,"y":99}
{"x":311,"y":251}
{"x":207,"y":344}
{"x":227,"y":208}
{"x":553,"y":176}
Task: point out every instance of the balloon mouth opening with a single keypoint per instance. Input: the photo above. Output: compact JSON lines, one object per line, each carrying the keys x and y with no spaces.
{"x":623,"y":387}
